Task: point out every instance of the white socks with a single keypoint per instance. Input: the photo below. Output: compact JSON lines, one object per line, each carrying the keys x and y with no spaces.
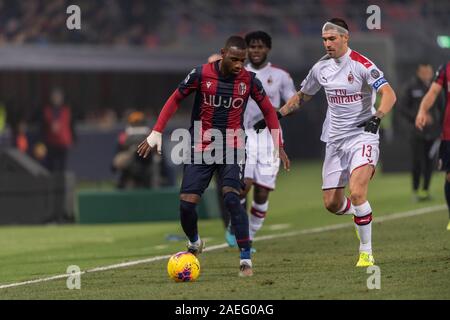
{"x":257,"y":216}
{"x":363,"y":222}
{"x":195,"y":243}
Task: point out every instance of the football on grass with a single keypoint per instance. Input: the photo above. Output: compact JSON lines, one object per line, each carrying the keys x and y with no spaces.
{"x":183,"y":267}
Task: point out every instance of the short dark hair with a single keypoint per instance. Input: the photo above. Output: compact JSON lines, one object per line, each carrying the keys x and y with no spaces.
{"x":259,"y":35}
{"x":236,"y":41}
{"x":423,"y":63}
{"x":340,"y":22}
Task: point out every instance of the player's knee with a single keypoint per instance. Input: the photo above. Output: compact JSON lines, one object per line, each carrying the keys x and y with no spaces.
{"x":190,"y":197}
{"x":261,"y":195}
{"x":357,"y":197}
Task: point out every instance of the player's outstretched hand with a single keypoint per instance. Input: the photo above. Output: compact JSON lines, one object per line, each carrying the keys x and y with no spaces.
{"x":149,"y":144}
{"x":371,"y":125}
{"x":285,"y":159}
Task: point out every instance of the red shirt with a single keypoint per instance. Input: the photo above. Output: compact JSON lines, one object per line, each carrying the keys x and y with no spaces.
{"x":442,"y":78}
{"x":58,"y":131}
{"x":219,"y":103}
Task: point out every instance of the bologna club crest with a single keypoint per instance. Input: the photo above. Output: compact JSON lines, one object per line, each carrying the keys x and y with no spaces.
{"x":242,"y":88}
{"x":350,"y":78}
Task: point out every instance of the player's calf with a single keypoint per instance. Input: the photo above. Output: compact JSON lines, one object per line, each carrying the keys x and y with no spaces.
{"x":188,"y":218}
{"x":257,"y":217}
{"x":239,"y":221}
{"x":342,"y":207}
{"x":363,"y":222}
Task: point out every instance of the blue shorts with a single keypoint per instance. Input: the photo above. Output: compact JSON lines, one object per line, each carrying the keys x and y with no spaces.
{"x":196,"y":177}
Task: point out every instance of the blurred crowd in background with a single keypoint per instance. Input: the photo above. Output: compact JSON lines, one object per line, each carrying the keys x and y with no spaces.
{"x":116,"y":102}
{"x":165,"y":23}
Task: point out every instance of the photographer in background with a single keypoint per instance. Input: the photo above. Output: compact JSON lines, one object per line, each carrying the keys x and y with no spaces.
{"x":134,"y":171}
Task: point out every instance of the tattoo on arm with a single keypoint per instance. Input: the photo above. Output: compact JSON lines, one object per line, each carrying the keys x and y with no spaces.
{"x":291,"y":109}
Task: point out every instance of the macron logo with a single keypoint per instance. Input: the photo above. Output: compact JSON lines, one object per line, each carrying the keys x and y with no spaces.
{"x":208,"y":84}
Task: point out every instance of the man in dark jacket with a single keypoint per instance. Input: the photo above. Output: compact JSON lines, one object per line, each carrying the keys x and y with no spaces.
{"x":422,"y":142}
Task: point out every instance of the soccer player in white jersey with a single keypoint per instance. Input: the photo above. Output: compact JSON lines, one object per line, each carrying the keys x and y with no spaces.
{"x":350,"y":129}
{"x":260,"y":169}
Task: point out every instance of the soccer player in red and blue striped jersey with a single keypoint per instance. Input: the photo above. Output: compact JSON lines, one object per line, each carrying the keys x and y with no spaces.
{"x":441,"y":81}
{"x":222,"y":89}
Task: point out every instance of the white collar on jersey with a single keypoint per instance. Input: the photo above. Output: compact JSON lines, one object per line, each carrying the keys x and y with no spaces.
{"x":344,"y":57}
{"x":250,"y":67}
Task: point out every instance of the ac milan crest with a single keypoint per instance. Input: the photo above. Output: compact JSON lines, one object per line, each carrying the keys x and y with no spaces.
{"x":242,"y":88}
{"x":270,"y":80}
{"x":350,"y":78}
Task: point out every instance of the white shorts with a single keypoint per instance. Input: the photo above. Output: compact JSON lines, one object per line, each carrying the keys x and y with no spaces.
{"x":260,"y":164}
{"x":344,"y":156}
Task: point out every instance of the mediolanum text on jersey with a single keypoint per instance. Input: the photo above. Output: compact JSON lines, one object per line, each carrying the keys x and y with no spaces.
{"x":220,"y":101}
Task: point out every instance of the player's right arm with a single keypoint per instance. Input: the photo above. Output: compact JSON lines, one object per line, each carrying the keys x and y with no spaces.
{"x":294,"y":103}
{"x":310,"y":86}
{"x":429,"y":99}
{"x":154,"y":140}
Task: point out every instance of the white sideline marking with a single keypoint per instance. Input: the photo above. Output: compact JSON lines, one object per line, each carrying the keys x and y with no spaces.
{"x":333,"y":227}
{"x":276,"y":227}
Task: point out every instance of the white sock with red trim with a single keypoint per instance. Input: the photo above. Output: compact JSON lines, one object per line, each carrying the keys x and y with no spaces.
{"x":347,"y":207}
{"x":257,"y":216}
{"x":363,"y":222}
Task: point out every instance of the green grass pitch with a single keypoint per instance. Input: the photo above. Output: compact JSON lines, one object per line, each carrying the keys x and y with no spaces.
{"x":412,"y":253}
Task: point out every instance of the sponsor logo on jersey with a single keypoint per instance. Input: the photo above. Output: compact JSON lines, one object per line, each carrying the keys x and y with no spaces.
{"x":242,"y":88}
{"x":217,"y":101}
{"x":350,"y":78}
{"x":341,"y":97}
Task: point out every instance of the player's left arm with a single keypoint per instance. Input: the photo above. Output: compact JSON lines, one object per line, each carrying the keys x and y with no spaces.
{"x":375,"y":79}
{"x":388,"y":99}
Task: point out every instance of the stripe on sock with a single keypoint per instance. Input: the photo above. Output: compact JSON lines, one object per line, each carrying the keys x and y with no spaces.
{"x":362,"y":221}
{"x":257,"y":213}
